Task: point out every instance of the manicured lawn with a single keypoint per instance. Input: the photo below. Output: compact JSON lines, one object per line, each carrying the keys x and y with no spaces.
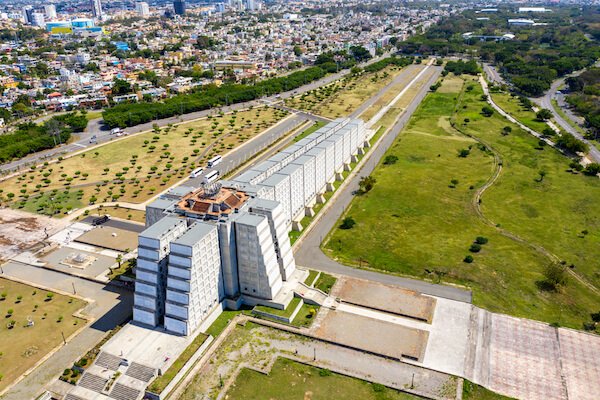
{"x":21,"y":347}
{"x":416,"y":222}
{"x":312,"y":274}
{"x":281,"y":313}
{"x":292,"y":380}
{"x":221,"y":322}
{"x":313,"y":128}
{"x":325,"y":282}
{"x":160,"y":383}
{"x":305,"y":318}
{"x":472,"y":391}
{"x":135,"y":168}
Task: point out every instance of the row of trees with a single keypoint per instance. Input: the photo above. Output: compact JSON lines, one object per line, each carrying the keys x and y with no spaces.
{"x":29,"y":137}
{"x":124,"y":115}
{"x":585,"y":97}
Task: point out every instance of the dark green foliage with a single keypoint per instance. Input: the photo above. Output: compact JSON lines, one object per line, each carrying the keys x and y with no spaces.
{"x":30,"y":138}
{"x":475,"y":248}
{"x":390,"y":159}
{"x":468,"y":259}
{"x":570,"y":143}
{"x":481,"y":240}
{"x":487,"y":111}
{"x":592,"y":169}
{"x":461,"y":67}
{"x":348,"y":223}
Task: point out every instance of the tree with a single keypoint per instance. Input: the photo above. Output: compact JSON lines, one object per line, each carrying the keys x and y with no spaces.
{"x":555,"y":274}
{"x":544,"y":114}
{"x":121,"y":87}
{"x":487,"y":111}
{"x":506,"y":130}
{"x":468,"y":259}
{"x":592,"y":169}
{"x":366,"y":183}
{"x":464,"y":153}
{"x":348,"y":223}
{"x":475,"y":248}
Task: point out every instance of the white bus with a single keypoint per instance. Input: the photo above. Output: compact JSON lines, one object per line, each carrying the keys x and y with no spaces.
{"x":211,"y":177}
{"x":195,"y":173}
{"x":214,"y":161}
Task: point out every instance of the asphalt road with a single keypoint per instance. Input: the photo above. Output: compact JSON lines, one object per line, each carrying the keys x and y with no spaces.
{"x":546,"y":102}
{"x":243,"y":153}
{"x":102,"y":132}
{"x":308,"y":253}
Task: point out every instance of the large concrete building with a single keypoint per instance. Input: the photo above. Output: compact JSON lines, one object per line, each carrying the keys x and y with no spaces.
{"x":227,"y":244}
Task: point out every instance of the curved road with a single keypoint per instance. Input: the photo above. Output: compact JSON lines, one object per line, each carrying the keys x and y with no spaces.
{"x":546,"y":102}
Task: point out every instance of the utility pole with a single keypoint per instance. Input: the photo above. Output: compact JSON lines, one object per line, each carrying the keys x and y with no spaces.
{"x":63,"y":337}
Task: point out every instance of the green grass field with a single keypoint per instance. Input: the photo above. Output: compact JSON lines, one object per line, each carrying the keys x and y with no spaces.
{"x":513,"y":106}
{"x":313,"y":128}
{"x":290,"y":380}
{"x":22,"y":346}
{"x":419,"y":219}
{"x":473,"y":392}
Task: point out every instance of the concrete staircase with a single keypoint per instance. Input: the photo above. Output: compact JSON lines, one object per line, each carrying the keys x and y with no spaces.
{"x":140,"y":372}
{"x":70,"y":396}
{"x":109,"y":361}
{"x":93,"y":382}
{"x":122,"y":392}
{"x":311,"y":295}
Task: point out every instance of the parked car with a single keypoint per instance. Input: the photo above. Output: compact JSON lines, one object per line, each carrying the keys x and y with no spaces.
{"x":100,"y":220}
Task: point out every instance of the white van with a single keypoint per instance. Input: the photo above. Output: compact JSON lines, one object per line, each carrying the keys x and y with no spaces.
{"x":196,"y":173}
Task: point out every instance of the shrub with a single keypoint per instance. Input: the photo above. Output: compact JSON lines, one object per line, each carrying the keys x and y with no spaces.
{"x":555,"y":274}
{"x":481,"y":240}
{"x":390,"y":159}
{"x":475,"y":248}
{"x":464,"y":153}
{"x":487,"y":111}
{"x":49,"y":296}
{"x":324,"y":372}
{"x":468,"y":259}
{"x":348,"y":223}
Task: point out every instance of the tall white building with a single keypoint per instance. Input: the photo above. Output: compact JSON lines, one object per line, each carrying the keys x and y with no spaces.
{"x":142,"y":9}
{"x":96,"y":8}
{"x":227,"y":244}
{"x":38,"y":19}
{"x":50,"y":10}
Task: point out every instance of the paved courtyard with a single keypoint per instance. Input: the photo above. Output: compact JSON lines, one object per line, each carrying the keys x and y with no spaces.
{"x":580,"y":356}
{"x":110,"y":238}
{"x":385,"y":298}
{"x":60,"y":259}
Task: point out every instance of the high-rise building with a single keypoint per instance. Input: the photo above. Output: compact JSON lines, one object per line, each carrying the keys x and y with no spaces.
{"x":227,"y":244}
{"x":142,"y":8}
{"x":50,"y":11}
{"x":179,"y":7}
{"x":38,"y":19}
{"x":28,"y":14}
{"x":96,"y":8}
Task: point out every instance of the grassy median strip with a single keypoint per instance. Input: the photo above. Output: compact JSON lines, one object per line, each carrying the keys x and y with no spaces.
{"x":160,"y":383}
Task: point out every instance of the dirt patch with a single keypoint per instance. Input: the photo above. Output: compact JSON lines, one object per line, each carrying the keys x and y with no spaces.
{"x":390,"y":299}
{"x":20,"y":231}
{"x":384,"y":338}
